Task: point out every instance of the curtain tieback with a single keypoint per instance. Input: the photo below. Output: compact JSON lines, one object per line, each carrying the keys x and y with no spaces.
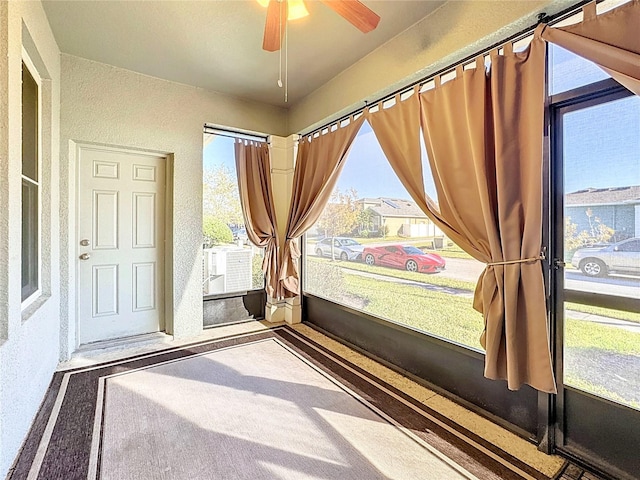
{"x":523,"y":260}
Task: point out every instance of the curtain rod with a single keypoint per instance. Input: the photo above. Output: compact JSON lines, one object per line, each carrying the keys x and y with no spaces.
{"x":224,"y":132}
{"x":542,"y":18}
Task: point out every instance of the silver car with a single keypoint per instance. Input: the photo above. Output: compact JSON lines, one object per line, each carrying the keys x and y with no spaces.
{"x":343,"y":248}
{"x":598,"y":261}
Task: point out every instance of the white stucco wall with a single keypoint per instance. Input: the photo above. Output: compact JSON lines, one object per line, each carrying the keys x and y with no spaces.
{"x":106,"y":105}
{"x":282,"y":166}
{"x":29,"y":340}
{"x":451,"y":33}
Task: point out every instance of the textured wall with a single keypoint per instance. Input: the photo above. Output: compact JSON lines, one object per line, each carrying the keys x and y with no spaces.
{"x":29,"y":340}
{"x":454,"y":31}
{"x":107,"y":105}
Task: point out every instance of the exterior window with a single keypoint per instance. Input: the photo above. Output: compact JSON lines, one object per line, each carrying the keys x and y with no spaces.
{"x":30,"y":257}
{"x":387,"y":258}
{"x":600,"y":142}
{"x":569,"y":71}
{"x":230,"y":263}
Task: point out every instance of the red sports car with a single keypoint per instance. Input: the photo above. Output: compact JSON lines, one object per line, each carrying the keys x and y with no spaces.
{"x":405,"y":257}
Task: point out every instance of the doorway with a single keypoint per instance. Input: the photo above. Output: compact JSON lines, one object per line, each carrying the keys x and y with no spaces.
{"x":120,"y":243}
{"x":595,"y":225}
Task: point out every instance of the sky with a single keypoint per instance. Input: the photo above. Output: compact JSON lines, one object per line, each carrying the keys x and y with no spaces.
{"x":601,"y":143}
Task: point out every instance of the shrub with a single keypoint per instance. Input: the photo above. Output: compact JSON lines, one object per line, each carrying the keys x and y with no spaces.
{"x":364,"y":233}
{"x":256,"y":270}
{"x":325,"y":279}
{"x":215,"y":232}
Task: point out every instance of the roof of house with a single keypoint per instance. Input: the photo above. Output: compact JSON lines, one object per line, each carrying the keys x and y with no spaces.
{"x":604,"y":196}
{"x":393,"y":207}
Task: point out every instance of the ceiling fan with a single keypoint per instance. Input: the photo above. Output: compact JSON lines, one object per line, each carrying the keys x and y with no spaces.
{"x":279,"y":11}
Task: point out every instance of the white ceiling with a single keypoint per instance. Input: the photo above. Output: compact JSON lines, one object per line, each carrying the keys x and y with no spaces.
{"x":217,"y":44}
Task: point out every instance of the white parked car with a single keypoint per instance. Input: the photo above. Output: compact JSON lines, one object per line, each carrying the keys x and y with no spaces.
{"x":343,"y":248}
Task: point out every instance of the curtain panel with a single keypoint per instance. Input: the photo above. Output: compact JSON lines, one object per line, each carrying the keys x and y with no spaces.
{"x":318,"y":165}
{"x":253,"y":168}
{"x":484,"y":138}
{"x":484,"y":133}
{"x":611,"y":40}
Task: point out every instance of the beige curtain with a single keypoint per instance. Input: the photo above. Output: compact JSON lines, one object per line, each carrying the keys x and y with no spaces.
{"x":397,"y":129}
{"x":253,"y":167}
{"x":611,"y":40}
{"x":484,"y":140}
{"x":318,"y":165}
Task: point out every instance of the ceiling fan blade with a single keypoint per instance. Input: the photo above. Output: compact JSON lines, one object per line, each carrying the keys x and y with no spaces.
{"x":355,"y":12}
{"x":273,"y":27}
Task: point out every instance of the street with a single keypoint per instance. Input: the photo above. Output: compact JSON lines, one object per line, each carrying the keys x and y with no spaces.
{"x":469,"y":270}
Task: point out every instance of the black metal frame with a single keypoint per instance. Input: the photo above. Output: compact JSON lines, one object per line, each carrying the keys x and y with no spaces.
{"x":579,"y":430}
{"x":246,"y":295}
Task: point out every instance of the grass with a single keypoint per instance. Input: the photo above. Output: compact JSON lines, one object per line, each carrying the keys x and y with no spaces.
{"x":603,"y":312}
{"x":452,"y":251}
{"x":582,"y":334}
{"x":448,"y":316}
{"x":453,"y":318}
{"x":388,"y":238}
{"x":427,"y":279}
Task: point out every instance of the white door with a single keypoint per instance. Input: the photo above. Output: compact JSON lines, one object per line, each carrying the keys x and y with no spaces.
{"x":120,"y":244}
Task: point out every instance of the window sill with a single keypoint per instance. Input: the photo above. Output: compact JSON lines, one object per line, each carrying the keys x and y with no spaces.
{"x":34,"y":306}
{"x":241,"y":293}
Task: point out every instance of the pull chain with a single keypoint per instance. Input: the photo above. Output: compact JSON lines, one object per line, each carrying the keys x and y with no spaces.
{"x":286,"y":62}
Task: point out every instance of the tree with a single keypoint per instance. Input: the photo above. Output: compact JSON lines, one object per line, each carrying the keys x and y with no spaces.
{"x":365,"y":220}
{"x":599,"y":231}
{"x":215,"y":232}
{"x":220,"y":196}
{"x":573,"y":239}
{"x":341,"y":215}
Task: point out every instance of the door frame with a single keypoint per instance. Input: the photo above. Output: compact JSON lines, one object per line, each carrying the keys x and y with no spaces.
{"x":583,"y":444}
{"x":74,"y":239}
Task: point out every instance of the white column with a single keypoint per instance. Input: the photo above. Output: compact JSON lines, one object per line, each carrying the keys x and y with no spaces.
{"x":283,"y":154}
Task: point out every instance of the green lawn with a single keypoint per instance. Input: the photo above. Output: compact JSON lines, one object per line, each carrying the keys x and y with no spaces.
{"x":448,"y":316}
{"x":430,"y":279}
{"x":583,"y":334}
{"x":452,"y":251}
{"x":453,"y":318}
{"x":388,"y":238}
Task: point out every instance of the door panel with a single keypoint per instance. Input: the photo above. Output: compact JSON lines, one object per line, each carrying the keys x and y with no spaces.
{"x":120,"y":244}
{"x":144,"y":280}
{"x":105,"y":220}
{"x":595,"y":177}
{"x":105,"y":290}
{"x":144,"y":220}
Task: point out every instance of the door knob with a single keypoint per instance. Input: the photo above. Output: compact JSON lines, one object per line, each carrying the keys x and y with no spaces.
{"x":85,"y":256}
{"x":84,"y":242}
